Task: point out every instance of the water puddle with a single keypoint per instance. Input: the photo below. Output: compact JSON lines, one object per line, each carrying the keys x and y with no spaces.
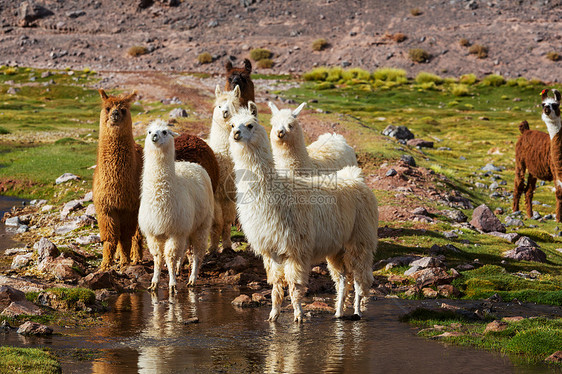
{"x":145,"y":334}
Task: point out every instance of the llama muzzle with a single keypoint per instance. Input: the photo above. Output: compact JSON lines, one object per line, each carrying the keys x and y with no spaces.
{"x":237,"y":135}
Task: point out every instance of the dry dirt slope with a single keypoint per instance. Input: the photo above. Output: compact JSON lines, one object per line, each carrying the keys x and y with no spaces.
{"x":97,"y":34}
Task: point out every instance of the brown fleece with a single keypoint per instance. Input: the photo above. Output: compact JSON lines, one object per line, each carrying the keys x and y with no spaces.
{"x":116,"y":184}
{"x":532,"y":154}
{"x":556,"y":159}
{"x":194,"y":149}
{"x":240,"y":77}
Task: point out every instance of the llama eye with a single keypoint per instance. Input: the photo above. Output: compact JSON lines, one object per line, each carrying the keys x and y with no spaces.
{"x":124,"y":111}
{"x":250,"y":126}
{"x":232,"y":125}
{"x":107,"y":110}
{"x":290,"y":126}
{"x":150,"y":132}
{"x":164,"y":132}
{"x":542,"y":105}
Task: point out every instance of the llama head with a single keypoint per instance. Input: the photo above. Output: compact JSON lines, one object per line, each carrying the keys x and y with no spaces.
{"x":551,"y":111}
{"x":115,"y":115}
{"x":226,"y":103}
{"x":285,"y":127}
{"x":245,"y":128}
{"x":159,"y":136}
{"x":239,"y":76}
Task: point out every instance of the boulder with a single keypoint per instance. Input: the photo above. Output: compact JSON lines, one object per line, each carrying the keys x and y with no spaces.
{"x":484,"y":220}
{"x":398,"y":132}
{"x":409,"y":160}
{"x":69,"y":207}
{"x":420,"y":143}
{"x":96,"y":281}
{"x":237,"y":263}
{"x":21,"y":261}
{"x":45,"y":248}
{"x":426,"y":262}
{"x":495,"y":326}
{"x":28,"y":12}
{"x":429,"y":293}
{"x":13,"y":221}
{"x":511,"y":237}
{"x":91,"y":210}
{"x":525,"y":241}
{"x":34,"y":328}
{"x":8,"y":295}
{"x":21,"y":307}
{"x":526,"y":254}
{"x":432,"y":276}
{"x":556,"y":357}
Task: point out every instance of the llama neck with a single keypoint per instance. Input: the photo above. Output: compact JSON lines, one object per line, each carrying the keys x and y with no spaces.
{"x":552,"y":125}
{"x":254,"y":158}
{"x":158,"y":165}
{"x":218,"y":139}
{"x":292,"y":155}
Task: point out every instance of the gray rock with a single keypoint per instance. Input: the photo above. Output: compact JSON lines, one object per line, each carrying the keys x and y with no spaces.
{"x":213,"y":23}
{"x":421,"y":211}
{"x":22,"y":284}
{"x":22,"y":307}
{"x":13,"y":221}
{"x":90,"y":239}
{"x":237,"y":263}
{"x":480,"y":185}
{"x":34,"y":328}
{"x":90,"y":210}
{"x":408,"y":160}
{"x":75,"y":13}
{"x":15,"y":251}
{"x":426,"y":262}
{"x":69,"y":207}
{"x":526,"y":254}
{"x":494,"y":186}
{"x":22,"y":228}
{"x":455,"y":215}
{"x":66,"y":177}
{"x":13,"y":91}
{"x":419,"y":143}
{"x":9,"y":294}
{"x":450,"y":234}
{"x":88,"y":197}
{"x":510,"y":237}
{"x":442,"y":249}
{"x":484,"y":220}
{"x":510,"y":221}
{"x":491,"y":167}
{"x":30,"y":11}
{"x":391,"y":172}
{"x":21,"y":261}
{"x":398,"y":132}
{"x":525,"y":241}
{"x":411,"y":271}
{"x":536,"y":215}
{"x":45,"y":248}
{"x":548,"y":217}
{"x":178,"y":113}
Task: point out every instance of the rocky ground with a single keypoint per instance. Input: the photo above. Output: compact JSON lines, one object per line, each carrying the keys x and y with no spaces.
{"x":517,"y":34}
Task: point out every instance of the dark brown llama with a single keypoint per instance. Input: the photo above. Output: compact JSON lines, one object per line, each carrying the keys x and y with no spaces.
{"x":240,"y":77}
{"x":194,"y":149}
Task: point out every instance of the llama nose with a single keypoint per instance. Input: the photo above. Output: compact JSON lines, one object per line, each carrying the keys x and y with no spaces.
{"x":225,"y":114}
{"x":115,"y":115}
{"x":547,"y":110}
{"x":154,"y":138}
{"x":280,"y":134}
{"x":237,"y":135}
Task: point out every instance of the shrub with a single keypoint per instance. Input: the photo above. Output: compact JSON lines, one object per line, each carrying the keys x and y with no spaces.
{"x":459,"y":89}
{"x":415,"y":12}
{"x":86,"y":70}
{"x":425,"y":77}
{"x":257,"y":54}
{"x":324,"y":86}
{"x":319,"y":44}
{"x":468,"y":79}
{"x":464,"y":42}
{"x":334,"y":74}
{"x":493,"y":80}
{"x":317,"y":74}
{"x":399,"y":37}
{"x":390,"y":75}
{"x":10,"y":71}
{"x":553,"y":56}
{"x":418,"y":55}
{"x":205,"y":58}
{"x":137,"y":50}
{"x":479,"y":50}
{"x":265,"y":63}
{"x":4,"y":131}
{"x":539,"y":341}
{"x":356,"y":73}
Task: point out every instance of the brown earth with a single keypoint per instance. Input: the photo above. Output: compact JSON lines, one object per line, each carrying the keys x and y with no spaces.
{"x":97,"y":34}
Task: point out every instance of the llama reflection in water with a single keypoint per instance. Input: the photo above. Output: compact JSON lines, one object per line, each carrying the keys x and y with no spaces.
{"x":295,"y":349}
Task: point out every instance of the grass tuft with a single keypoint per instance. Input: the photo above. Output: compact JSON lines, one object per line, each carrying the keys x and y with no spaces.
{"x":418,"y":55}
{"x":415,"y":12}
{"x":553,"y":56}
{"x":137,"y":50}
{"x":463,"y":42}
{"x":28,"y":360}
{"x":204,"y":58}
{"x":258,"y":54}
{"x":493,"y":80}
{"x":319,"y":45}
{"x":266,"y":63}
{"x":479,"y":50}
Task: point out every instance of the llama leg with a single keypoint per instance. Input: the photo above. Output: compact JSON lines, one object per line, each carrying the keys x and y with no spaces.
{"x":519,"y":185}
{"x":172,"y":251}
{"x":558,"y":202}
{"x":275,"y":277}
{"x":155,"y":247}
{"x":199,"y":246}
{"x":216,"y":228}
{"x":362,"y":281}
{"x":136,"y":247}
{"x":296,"y":273}
{"x":531,"y":183}
{"x":109,"y":229}
{"x":297,"y":291}
{"x":182,"y":257}
{"x":337,"y":271}
{"x":229,"y":214}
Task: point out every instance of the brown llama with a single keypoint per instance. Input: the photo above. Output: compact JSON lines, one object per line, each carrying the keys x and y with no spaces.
{"x":194,"y":149}
{"x":116,"y":185}
{"x":240,"y":77}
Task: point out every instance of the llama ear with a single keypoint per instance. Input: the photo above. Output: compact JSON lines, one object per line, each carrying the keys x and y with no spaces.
{"x":273,"y":107}
{"x":253,"y":108}
{"x":103,"y":94}
{"x":298,"y":110}
{"x":556,"y":94}
{"x":237,"y":91}
{"x":247,"y":65}
{"x":217,"y":91}
{"x":544,"y":93}
{"x":228,"y":66}
{"x":174,"y":134}
{"x":130,"y":97}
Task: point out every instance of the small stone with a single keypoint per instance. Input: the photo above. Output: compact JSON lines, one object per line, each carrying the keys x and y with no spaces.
{"x":22,"y":307}
{"x":498,"y":211}
{"x":66,"y":177}
{"x":536,"y":215}
{"x":391,"y":172}
{"x":237,"y":263}
{"x":21,"y":261}
{"x":455,"y":215}
{"x":34,"y":328}
{"x":494,"y":186}
{"x":484,"y":220}
{"x":420,"y":211}
{"x":450,"y":334}
{"x":88,"y":197}
{"x":178,"y":113}
{"x":191,"y":321}
{"x":13,"y":221}
{"x":96,"y":281}
{"x":491,"y":167}
{"x":398,"y":132}
{"x":448,"y":290}
{"x":15,"y":251}
{"x":45,"y":248}
{"x":511,"y":237}
{"x":69,"y":207}
{"x":429,"y":293}
{"x":426,"y":262}
{"x":90,"y":210}
{"x":495,"y":326}
{"x":509,"y":221}
{"x":259,"y":298}
{"x":90,"y":239}
{"x":526,"y":254}
{"x":450,"y":235}
{"x":556,"y":357}
{"x":243,"y":301}
{"x":525,"y":241}
{"x":409,"y":160}
{"x":512,"y":319}
{"x":412,"y":271}
{"x":319,"y":306}
{"x":419,"y":143}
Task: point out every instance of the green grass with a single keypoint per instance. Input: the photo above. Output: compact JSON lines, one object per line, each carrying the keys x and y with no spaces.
{"x":529,"y":340}
{"x":27,"y":360}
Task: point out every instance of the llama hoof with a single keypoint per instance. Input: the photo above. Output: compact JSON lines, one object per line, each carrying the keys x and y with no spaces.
{"x":153,"y":287}
{"x":273,"y":316}
{"x":298,"y":319}
{"x":191,"y":283}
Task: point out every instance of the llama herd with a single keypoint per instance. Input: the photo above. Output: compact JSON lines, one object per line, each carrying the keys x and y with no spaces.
{"x":301,"y":205}
{"x":297,"y":205}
